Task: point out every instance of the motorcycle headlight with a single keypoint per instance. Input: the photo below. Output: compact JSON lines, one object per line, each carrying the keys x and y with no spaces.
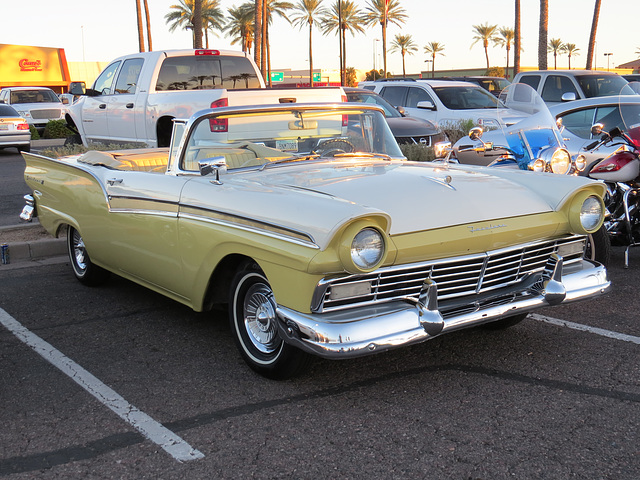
{"x":581,"y":162}
{"x":591,"y":213}
{"x":538,"y":165}
{"x":367,"y":248}
{"x":560,"y":161}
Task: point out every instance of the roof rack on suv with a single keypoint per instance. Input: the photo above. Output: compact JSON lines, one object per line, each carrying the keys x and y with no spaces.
{"x":399,"y":79}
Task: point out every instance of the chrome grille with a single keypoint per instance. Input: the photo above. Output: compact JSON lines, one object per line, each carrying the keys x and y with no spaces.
{"x":456,"y":277}
{"x":45,"y":113}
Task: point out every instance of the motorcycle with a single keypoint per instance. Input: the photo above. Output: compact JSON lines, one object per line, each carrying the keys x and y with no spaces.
{"x":620,"y":171}
{"x":534,"y":143}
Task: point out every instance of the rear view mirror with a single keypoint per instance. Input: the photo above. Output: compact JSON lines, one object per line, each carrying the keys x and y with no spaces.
{"x":568,"y":97}
{"x":77,"y":88}
{"x":426,"y":104}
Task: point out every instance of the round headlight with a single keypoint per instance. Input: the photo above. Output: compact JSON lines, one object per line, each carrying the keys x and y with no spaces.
{"x":581,"y":162}
{"x":590,"y":213}
{"x":367,"y":248}
{"x":538,"y":165}
{"x":560,"y":161}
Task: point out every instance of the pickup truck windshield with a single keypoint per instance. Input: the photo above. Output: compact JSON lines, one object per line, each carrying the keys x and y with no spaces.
{"x":206,"y":72}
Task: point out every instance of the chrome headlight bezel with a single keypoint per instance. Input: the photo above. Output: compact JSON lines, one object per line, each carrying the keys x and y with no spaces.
{"x":367,"y":249}
{"x":586,"y":213}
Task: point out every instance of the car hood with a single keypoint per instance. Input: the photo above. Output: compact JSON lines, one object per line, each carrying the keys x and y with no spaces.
{"x":318,"y":197}
{"x":411,"y":127}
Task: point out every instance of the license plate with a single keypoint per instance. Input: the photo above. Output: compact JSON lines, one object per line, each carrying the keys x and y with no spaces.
{"x":287,"y":145}
{"x":4,"y":126}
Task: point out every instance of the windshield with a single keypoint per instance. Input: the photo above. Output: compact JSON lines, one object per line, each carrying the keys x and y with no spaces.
{"x":465,"y":98}
{"x":603,"y":85}
{"x":373,"y":99}
{"x":257,"y":136}
{"x":34,"y":96}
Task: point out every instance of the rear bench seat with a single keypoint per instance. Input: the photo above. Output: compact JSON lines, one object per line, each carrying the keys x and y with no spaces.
{"x":143,"y":160}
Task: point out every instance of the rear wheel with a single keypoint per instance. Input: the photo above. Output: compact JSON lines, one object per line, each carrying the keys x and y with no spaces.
{"x":85,"y":271}
{"x":252,"y":316}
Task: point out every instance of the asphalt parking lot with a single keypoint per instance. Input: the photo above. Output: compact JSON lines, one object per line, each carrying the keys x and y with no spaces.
{"x":119,"y":382}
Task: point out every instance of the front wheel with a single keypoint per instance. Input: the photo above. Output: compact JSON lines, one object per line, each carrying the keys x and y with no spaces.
{"x":598,"y":246}
{"x":84,"y":270}
{"x":252,"y":316}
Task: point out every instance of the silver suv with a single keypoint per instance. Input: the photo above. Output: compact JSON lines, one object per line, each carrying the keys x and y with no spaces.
{"x":37,"y":105}
{"x":556,"y":86}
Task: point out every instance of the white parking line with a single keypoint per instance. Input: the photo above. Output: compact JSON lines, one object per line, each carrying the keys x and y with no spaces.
{"x":585,"y":328}
{"x":147,"y":426}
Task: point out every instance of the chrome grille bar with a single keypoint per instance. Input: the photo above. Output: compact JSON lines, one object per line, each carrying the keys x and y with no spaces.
{"x":456,"y":277}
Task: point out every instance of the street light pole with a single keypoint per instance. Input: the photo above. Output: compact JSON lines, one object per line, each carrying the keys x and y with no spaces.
{"x":608,"y":55}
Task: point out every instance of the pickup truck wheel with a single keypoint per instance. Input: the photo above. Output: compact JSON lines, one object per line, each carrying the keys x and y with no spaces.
{"x":505,"y":323}
{"x":85,"y":271}
{"x":252,"y":315}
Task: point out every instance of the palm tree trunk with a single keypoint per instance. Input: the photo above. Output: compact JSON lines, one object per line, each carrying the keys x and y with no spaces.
{"x":384,"y":44}
{"x":265,"y":42}
{"x":506,"y":72}
{"x":197,"y":23}
{"x":257,"y":36}
{"x":310,"y":55}
{"x":268,"y":50}
{"x":486,"y":53}
{"x":542,"y":34}
{"x":433,"y":65}
{"x":592,"y":36}
{"x":517,"y":40}
{"x":344,"y":56}
{"x":146,"y":10}
{"x":140,"y":27}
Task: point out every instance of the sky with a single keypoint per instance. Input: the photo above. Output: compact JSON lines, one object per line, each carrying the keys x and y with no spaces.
{"x":108,"y":30}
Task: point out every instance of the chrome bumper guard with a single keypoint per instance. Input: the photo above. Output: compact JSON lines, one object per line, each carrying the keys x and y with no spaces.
{"x":362,"y":331}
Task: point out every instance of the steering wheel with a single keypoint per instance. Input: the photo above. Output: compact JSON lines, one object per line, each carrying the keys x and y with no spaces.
{"x":330,"y":148}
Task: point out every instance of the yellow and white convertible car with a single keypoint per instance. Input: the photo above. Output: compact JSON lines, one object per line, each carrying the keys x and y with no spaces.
{"x":322,"y":239}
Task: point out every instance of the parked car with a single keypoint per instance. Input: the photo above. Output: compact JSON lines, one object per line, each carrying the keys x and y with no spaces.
{"x":443,"y":102}
{"x":493,"y":85}
{"x":14,"y":130}
{"x":299,"y":217}
{"x":406,"y":130}
{"x":577,"y":118}
{"x":37,"y":105}
{"x":556,"y":86}
{"x":632,"y":77}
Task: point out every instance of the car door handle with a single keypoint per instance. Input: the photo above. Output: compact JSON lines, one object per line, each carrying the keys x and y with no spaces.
{"x":129,"y":105}
{"x":103,"y":106}
{"x":113,"y":181}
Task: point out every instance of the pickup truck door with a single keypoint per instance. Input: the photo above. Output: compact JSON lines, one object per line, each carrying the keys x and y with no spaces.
{"x":123,"y":104}
{"x":94,"y":106}
{"x":143,"y":228}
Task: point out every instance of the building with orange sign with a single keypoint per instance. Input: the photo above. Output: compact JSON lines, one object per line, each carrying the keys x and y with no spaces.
{"x":28,"y":66}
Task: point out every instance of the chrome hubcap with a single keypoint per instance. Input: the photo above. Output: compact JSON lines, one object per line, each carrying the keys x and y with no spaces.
{"x":260,"y":318}
{"x":79,"y":251}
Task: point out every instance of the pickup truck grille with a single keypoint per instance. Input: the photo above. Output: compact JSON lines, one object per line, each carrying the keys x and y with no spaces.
{"x":456,"y":277}
{"x":45,"y":113}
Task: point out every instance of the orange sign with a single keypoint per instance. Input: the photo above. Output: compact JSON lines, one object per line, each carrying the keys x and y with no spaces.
{"x":24,"y":65}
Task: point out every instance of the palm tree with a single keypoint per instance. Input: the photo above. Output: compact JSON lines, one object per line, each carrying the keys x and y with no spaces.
{"x":183,"y":15}
{"x":308,"y":12}
{"x":272,"y":7}
{"x":140,"y":27}
{"x":383,"y":12}
{"x":556,"y":46}
{"x":351,"y":17}
{"x":592,"y":35}
{"x":433,"y":49}
{"x":404,"y":44}
{"x":258,"y":35}
{"x":517,"y":40}
{"x":542,"y":34}
{"x":506,"y":39}
{"x":146,"y":11}
{"x":240,"y":26}
{"x":571,"y":50}
{"x":485,"y":33}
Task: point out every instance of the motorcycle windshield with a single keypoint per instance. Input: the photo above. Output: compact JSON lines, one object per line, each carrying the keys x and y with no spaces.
{"x":629,"y":108}
{"x":536,"y":132}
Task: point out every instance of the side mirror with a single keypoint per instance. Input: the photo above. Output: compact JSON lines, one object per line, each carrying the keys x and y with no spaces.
{"x":401,"y":109}
{"x":597,"y":129}
{"x":568,"y":97}
{"x":475,"y":133}
{"x":426,"y":104}
{"x":207,"y":166}
{"x":77,"y":88}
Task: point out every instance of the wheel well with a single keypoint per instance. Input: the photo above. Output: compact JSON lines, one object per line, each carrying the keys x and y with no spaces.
{"x":163,"y":131}
{"x":220,"y":280}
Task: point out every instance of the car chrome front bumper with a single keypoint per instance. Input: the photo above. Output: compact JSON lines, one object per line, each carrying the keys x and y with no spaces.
{"x":362,"y":331}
